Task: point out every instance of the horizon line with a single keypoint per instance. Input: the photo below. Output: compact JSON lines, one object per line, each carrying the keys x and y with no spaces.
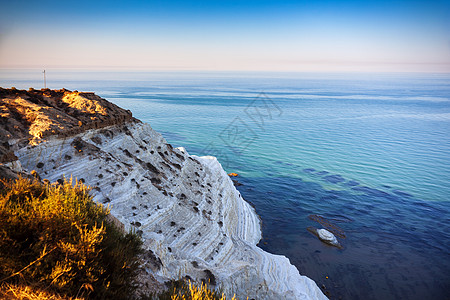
{"x":208,"y":70}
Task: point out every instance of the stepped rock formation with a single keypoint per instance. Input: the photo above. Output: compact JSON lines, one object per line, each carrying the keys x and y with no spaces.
{"x":192,"y":219}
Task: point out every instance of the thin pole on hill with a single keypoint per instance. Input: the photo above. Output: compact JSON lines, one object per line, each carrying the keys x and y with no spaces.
{"x":45,"y":81}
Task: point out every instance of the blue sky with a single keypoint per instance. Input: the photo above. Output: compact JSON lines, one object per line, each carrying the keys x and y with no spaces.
{"x":227,"y":35}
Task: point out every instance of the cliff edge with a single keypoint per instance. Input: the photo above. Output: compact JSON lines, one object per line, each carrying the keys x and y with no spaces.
{"x":193,"y":221}
{"x":28,"y":117}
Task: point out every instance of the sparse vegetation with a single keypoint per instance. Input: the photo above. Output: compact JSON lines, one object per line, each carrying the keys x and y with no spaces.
{"x":55,"y":241}
{"x":22,"y":292}
{"x":56,"y":244}
{"x":186,"y":290}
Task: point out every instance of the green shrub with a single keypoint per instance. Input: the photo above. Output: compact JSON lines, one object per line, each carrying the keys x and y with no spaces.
{"x":57,"y":238}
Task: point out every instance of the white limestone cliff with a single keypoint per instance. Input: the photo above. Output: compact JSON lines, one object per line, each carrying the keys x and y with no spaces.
{"x":185,"y":207}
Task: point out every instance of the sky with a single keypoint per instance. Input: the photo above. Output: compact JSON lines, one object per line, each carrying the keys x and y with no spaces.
{"x":265,"y":35}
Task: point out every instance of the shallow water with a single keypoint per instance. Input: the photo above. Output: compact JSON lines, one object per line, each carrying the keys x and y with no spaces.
{"x":367,"y":152}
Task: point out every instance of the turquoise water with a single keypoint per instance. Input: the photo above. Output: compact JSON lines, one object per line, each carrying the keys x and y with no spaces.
{"x":369,"y":153}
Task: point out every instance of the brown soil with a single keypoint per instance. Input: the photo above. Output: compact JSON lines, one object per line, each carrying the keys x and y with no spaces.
{"x":29,"y":117}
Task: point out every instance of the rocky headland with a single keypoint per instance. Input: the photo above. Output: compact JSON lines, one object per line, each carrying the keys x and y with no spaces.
{"x":193,"y":221}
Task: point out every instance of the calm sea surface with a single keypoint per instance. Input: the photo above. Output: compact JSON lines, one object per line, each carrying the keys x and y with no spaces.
{"x":364,"y":155}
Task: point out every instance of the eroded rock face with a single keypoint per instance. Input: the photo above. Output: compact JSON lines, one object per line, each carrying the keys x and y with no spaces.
{"x":192,"y":219}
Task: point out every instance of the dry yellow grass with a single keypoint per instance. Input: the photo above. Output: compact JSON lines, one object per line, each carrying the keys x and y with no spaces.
{"x":194,"y":292}
{"x":22,"y":292}
{"x":56,"y":239}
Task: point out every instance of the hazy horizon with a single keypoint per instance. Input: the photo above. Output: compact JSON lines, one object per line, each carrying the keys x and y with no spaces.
{"x":288,"y":36}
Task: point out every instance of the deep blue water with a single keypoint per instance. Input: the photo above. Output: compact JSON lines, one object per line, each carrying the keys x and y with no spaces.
{"x":369,"y":153}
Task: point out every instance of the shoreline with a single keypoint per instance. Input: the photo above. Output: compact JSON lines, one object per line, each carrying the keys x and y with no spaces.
{"x":186,"y":208}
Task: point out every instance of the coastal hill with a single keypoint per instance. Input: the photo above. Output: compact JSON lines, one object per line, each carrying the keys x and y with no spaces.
{"x":30,"y":116}
{"x":193,"y":222}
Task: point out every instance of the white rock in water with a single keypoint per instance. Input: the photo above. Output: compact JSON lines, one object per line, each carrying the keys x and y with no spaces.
{"x":186,"y":208}
{"x":327,"y":236}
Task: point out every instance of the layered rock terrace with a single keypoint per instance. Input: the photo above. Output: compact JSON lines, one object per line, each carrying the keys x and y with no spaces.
{"x":193,"y":221}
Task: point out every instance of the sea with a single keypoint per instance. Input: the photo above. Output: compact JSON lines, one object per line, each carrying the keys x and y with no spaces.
{"x":364,"y":155}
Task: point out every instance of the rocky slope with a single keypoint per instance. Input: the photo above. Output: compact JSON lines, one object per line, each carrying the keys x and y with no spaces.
{"x":193,"y":221}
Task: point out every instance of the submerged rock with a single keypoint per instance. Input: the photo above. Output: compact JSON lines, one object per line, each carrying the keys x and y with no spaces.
{"x":325,"y":236}
{"x":236,"y":183}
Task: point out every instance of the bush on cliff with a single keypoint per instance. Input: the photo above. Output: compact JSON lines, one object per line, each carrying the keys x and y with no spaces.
{"x":56,"y":239}
{"x":185,"y":290}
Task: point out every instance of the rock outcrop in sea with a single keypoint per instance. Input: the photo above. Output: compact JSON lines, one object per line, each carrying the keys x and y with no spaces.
{"x":193,"y":221}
